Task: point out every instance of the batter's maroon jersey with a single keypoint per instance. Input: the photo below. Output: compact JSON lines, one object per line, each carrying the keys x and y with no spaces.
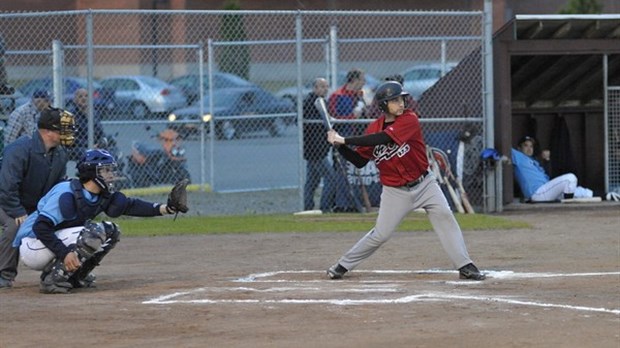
{"x":403,"y":160}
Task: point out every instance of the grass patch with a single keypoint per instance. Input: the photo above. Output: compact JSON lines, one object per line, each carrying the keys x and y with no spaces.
{"x":286,"y":223}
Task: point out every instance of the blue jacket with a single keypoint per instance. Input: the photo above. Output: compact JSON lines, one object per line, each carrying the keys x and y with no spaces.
{"x":529,"y":173}
{"x":28,"y":173}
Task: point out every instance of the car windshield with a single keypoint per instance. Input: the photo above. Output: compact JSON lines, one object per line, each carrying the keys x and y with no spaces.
{"x":153,"y":82}
{"x":223,"y":97}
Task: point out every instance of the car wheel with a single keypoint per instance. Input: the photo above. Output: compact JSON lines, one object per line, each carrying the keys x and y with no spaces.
{"x":227,"y":130}
{"x":139,"y":111}
{"x":278,"y":127}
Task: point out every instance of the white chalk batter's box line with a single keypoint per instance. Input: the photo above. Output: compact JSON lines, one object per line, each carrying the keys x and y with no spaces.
{"x":369,"y":286}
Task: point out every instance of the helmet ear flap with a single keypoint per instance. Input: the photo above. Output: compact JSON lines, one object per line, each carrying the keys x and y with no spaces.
{"x":383,"y":105}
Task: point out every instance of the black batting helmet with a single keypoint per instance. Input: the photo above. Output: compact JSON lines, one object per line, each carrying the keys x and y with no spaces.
{"x":388,"y":91}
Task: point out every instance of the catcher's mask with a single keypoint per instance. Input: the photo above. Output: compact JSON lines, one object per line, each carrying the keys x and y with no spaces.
{"x":61,"y":121}
{"x":101,"y":167}
{"x":388,"y":91}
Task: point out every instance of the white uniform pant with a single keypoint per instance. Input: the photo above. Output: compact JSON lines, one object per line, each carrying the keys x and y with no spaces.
{"x":396,"y":203}
{"x":35,"y":255}
{"x":556,"y":188}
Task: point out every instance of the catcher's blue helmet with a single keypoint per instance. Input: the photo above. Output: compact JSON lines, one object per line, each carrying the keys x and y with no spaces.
{"x":99,"y":166}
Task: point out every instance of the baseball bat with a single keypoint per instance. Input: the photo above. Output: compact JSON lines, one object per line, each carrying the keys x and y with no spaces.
{"x":464,"y":197}
{"x":456,"y":181}
{"x":455,"y":197}
{"x":365,"y":196}
{"x":319,"y":103}
{"x":443,"y":180}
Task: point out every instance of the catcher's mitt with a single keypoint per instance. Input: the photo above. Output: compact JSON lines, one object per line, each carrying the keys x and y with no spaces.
{"x":177,"y":198}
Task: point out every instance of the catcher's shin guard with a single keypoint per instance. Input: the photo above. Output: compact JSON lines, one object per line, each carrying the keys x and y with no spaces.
{"x":80,"y":278}
{"x":55,"y":278}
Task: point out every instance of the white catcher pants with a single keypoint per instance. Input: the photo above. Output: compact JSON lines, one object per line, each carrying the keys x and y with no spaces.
{"x":35,"y":255}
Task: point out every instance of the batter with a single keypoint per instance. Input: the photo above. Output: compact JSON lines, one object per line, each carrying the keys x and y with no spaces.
{"x":396,"y":144}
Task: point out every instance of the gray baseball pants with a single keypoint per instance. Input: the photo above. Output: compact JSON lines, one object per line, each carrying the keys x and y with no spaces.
{"x":396,"y":203}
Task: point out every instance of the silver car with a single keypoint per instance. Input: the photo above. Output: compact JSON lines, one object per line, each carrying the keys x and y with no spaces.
{"x":290,"y":93}
{"x":143,"y":96}
{"x":421,"y":77}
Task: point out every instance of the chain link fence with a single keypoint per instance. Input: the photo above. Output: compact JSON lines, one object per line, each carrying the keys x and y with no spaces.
{"x":217,"y":96}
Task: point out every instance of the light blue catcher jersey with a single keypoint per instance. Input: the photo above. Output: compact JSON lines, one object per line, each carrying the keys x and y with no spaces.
{"x":528,"y":172}
{"x":49,"y":207}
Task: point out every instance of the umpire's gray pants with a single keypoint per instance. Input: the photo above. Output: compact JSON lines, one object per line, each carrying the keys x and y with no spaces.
{"x":9,"y":256}
{"x":396,"y":203}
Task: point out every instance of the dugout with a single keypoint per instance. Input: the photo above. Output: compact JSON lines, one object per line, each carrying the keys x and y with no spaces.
{"x":551,"y":74}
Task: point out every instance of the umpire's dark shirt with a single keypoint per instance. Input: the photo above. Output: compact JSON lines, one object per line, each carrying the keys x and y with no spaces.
{"x":315,"y":134}
{"x":28,"y":173}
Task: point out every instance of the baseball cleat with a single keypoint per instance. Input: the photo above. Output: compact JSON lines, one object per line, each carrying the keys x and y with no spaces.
{"x":336,"y":271}
{"x":5,"y":283}
{"x":470,"y":271}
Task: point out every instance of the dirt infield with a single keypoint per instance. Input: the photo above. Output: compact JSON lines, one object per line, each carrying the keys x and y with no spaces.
{"x":556,"y":285}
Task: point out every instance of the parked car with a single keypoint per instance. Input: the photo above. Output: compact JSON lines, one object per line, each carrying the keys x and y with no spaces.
{"x":103,"y":98}
{"x":189,"y":84}
{"x":236,"y":111}
{"x":369,"y":88}
{"x":421,"y":77}
{"x":142,"y":96}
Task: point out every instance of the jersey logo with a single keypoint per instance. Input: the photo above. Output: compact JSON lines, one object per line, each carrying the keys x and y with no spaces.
{"x":386,"y":152}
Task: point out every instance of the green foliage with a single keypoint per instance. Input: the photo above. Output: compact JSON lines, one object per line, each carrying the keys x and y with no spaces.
{"x":233,"y":59}
{"x":582,"y":7}
{"x":289,"y":223}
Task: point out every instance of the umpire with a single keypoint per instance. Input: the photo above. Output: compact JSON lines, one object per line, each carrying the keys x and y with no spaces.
{"x":31,"y":166}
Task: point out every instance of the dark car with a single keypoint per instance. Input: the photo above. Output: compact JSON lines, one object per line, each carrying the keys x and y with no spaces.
{"x":189,"y":84}
{"x":236,"y":111}
{"x":103,"y":98}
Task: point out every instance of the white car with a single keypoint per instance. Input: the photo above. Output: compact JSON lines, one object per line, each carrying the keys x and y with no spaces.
{"x":421,"y":77}
{"x":141,"y":96}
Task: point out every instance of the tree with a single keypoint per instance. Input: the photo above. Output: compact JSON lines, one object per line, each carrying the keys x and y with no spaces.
{"x":234,"y":59}
{"x":582,"y":7}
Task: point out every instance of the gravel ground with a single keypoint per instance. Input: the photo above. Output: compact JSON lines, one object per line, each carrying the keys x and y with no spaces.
{"x":239,"y":203}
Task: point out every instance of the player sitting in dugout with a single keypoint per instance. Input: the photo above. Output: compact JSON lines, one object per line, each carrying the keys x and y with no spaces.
{"x":534,"y":182}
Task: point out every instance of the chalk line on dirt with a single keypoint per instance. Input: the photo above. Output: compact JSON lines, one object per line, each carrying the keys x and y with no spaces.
{"x":366,"y":287}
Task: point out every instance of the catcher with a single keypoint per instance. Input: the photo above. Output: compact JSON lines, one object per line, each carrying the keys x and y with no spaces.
{"x":61,"y":240}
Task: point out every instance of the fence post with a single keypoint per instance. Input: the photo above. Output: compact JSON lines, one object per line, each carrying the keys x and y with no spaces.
{"x":57,"y":73}
{"x":89,"y":80}
{"x":489,"y":124}
{"x":299,"y":61}
{"x":210,"y":56}
{"x":333,"y":58}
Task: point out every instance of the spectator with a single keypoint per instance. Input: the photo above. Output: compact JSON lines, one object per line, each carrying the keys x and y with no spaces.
{"x":30,"y":168}
{"x":80,"y":99}
{"x":316,"y":150}
{"x":347,"y":102}
{"x":5,"y":88}
{"x":23,"y":120}
{"x":535,"y":183}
